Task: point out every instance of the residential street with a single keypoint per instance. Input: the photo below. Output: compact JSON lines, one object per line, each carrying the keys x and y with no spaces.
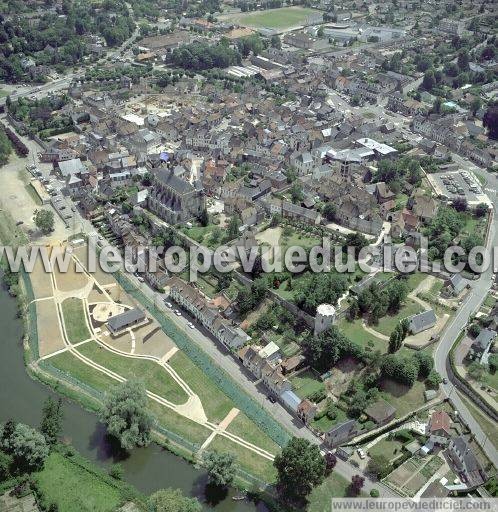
{"x":479,"y":290}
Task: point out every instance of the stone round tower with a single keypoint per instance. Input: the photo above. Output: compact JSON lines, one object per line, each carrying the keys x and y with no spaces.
{"x":325,"y":317}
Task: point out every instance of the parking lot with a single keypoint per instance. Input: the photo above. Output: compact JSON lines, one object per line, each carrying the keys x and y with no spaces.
{"x":455,"y":184}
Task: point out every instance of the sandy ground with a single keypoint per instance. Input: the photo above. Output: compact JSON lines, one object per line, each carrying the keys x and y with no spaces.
{"x":102,"y":312}
{"x":70,"y":280}
{"x":102,"y":277}
{"x":96,"y":296}
{"x":49,"y":335}
{"x":17,"y":200}
{"x":157,"y":345}
{"x":40,"y":281}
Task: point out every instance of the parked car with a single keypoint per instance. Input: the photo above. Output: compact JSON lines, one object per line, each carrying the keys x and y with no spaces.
{"x":191,"y":325}
{"x":177,"y":312}
{"x":168,"y":304}
{"x":361,"y":453}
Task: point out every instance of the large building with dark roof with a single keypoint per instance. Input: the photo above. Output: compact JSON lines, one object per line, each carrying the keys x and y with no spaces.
{"x":174,"y":199}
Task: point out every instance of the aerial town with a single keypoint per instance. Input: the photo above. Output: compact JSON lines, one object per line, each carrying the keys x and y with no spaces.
{"x":144,"y":128}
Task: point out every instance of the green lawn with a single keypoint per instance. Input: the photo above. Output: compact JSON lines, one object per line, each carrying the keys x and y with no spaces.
{"x":71,"y":365}
{"x":333,"y":486}
{"x":242,"y":426}
{"x":389,"y":322}
{"x":355,"y":332}
{"x":75,"y":489}
{"x":74,"y":319}
{"x":389,"y":448}
{"x":275,"y":18}
{"x":324,"y":424}
{"x":491,"y":380}
{"x":247,"y":460}
{"x":174,"y":422}
{"x":3,"y":93}
{"x":487,"y":425}
{"x":403,"y":398}
{"x":216,"y":404}
{"x":306,"y":383}
{"x":155,"y":378}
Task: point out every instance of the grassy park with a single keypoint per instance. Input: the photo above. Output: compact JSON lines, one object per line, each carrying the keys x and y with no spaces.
{"x":282,"y":18}
{"x":74,"y":319}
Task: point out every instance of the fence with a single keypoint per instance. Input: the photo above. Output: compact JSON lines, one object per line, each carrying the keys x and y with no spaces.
{"x":243,"y":402}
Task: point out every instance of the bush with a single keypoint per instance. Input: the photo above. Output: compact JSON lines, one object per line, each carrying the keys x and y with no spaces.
{"x":374,"y":493}
{"x":116,"y":471}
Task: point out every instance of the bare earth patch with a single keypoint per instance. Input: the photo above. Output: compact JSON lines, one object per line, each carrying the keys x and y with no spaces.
{"x":49,"y":335}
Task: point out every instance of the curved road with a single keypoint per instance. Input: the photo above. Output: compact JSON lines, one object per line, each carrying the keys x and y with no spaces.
{"x":473,"y":301}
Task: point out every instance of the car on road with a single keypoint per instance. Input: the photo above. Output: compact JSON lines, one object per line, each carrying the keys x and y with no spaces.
{"x":168,"y":304}
{"x":445,"y":380}
{"x":178,"y":313}
{"x":272,"y":399}
{"x":361,"y":453}
{"x":191,"y":325}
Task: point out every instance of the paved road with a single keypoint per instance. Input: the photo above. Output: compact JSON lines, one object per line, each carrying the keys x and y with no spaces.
{"x":479,"y":290}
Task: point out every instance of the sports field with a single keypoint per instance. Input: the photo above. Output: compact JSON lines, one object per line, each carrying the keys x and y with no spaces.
{"x":282,"y":19}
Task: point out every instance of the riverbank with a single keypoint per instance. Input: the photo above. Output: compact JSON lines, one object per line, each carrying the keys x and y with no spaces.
{"x":68,"y":482}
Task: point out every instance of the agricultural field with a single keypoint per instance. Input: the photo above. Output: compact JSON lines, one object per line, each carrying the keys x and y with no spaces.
{"x":283,"y":18}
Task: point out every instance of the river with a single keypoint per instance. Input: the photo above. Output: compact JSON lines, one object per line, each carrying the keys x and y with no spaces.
{"x":148,"y":469}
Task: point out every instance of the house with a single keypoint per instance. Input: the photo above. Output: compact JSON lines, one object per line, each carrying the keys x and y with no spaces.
{"x":455,"y":284}
{"x":423,"y":207}
{"x":251,"y":359}
{"x":383,"y":193}
{"x":306,"y":411}
{"x":129,"y":318}
{"x":290,"y":400}
{"x":422,"y":321}
{"x":381,"y":412}
{"x":74,"y":167}
{"x":341,"y":433}
{"x":274,"y":380}
{"x":479,"y":349}
{"x":440,"y":428}
{"x":465,"y":463}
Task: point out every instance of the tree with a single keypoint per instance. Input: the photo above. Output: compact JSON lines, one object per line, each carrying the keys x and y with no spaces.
{"x":296,"y":193}
{"x":425,"y":363}
{"x":28,"y":449}
{"x":481,"y":210}
{"x":356,"y":240}
{"x":51,"y":424}
{"x":172,"y":500}
{"x":433,"y":380}
{"x":204,"y":218}
{"x":221,"y":468}
{"x":428,"y":81}
{"x":125,"y":414}
{"x":300,"y":467}
{"x":475,"y":105}
{"x":493,"y":363}
{"x":356,"y":485}
{"x":275,"y":42}
{"x":395,"y":340}
{"x":330,"y":462}
{"x":379,"y":466}
{"x":233,"y":227}
{"x":463,"y":60}
{"x":330,"y":211}
{"x":490,"y":121}
{"x":44,"y":220}
{"x":460,"y":204}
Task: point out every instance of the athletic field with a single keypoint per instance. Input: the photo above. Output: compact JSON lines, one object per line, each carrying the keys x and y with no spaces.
{"x":280,"y":19}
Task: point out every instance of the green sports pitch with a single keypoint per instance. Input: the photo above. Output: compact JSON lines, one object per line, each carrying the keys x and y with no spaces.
{"x":282,"y":19}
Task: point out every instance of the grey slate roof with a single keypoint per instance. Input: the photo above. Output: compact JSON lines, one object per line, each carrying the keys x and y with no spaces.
{"x":168,"y":178}
{"x":486,"y":336}
{"x":422,"y":321}
{"x":118,"y":322}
